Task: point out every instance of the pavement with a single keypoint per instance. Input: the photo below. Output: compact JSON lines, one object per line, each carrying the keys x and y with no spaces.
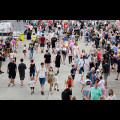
{"x":18,"y":93}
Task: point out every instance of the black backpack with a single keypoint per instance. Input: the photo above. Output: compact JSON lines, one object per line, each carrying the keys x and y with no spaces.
{"x":64,"y":94}
{"x":103,"y":41}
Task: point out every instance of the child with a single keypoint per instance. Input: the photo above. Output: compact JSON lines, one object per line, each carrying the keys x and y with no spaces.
{"x":76,"y":62}
{"x":73,"y":72}
{"x":15,"y":55}
{"x":31,"y":84}
{"x":24,"y":50}
{"x":56,"y":82}
{"x":70,"y":55}
{"x":69,"y":81}
{"x":11,"y":55}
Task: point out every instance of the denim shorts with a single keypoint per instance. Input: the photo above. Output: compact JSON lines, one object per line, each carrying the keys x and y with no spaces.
{"x":99,"y":62}
{"x":32,"y":74}
{"x":81,"y":70}
{"x":42,"y":81}
{"x":85,"y":93}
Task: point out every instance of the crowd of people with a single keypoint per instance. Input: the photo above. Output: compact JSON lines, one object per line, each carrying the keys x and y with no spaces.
{"x":62,"y":38}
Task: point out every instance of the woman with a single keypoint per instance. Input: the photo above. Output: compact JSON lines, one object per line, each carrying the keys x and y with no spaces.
{"x":101,"y":85}
{"x":115,"y":59}
{"x":7,"y":43}
{"x":51,"y":78}
{"x":111,"y":95}
{"x":70,"y":54}
{"x":36,"y":45}
{"x":57,"y":60}
{"x":83,"y":53}
{"x":64,"y":53}
{"x":28,"y":34}
{"x":76,"y":50}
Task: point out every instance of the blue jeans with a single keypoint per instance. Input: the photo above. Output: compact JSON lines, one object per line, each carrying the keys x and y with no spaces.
{"x":85,"y":93}
{"x":30,"y":54}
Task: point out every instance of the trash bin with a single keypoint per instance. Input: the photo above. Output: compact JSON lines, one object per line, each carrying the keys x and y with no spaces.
{"x":22,"y":36}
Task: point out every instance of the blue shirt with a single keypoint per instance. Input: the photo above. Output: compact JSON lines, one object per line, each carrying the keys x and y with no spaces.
{"x":114,"y":48}
{"x":95,"y":93}
{"x":66,"y":38}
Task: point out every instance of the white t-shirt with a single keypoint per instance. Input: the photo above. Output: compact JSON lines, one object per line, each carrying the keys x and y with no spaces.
{"x":11,"y":55}
{"x":75,"y":49}
{"x":56,"y":79}
{"x":41,"y":72}
{"x":101,"y":84}
{"x":32,"y":83}
{"x":87,"y":84}
{"x":83,"y":63}
{"x":112,"y":97}
{"x":31,"y":27}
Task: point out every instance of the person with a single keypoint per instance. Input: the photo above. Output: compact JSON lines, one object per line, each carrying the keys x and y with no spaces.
{"x":86,"y":87}
{"x":31,"y":48}
{"x":13,"y":41}
{"x":92,"y":76}
{"x":36,"y":45}
{"x":57,"y":46}
{"x":42,"y":43}
{"x":64,"y":53}
{"x":70,"y":54}
{"x":95,"y":92}
{"x":53,"y":41}
{"x":21,"y":69}
{"x":73,"y":72}
{"x":42,"y":76}
{"x":115,"y":59}
{"x":15,"y":55}
{"x":101,"y":85}
{"x":106,"y":72}
{"x":24,"y":50}
{"x":51,"y":78}
{"x":11,"y":55}
{"x":67,"y":93}
{"x":11,"y":70}
{"x":111,"y":95}
{"x":91,"y":63}
{"x":56,"y":82}
{"x":32,"y":84}
{"x":28,"y":34}
{"x":47,"y":59}
{"x":1,"y":58}
{"x":57,"y":60}
{"x":118,"y":67}
{"x":32,"y":68}
{"x":82,"y":66}
{"x":33,"y":37}
{"x":76,"y":62}
{"x":7,"y":44}
{"x":76,"y":50}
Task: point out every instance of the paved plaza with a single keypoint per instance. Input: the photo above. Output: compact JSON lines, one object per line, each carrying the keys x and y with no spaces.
{"x":18,"y":93}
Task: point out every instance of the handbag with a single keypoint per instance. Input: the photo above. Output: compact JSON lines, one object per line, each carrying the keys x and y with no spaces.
{"x":49,"y":80}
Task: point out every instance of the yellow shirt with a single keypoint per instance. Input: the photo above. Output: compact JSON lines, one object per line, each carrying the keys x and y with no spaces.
{"x":33,"y":37}
{"x":118,"y":51}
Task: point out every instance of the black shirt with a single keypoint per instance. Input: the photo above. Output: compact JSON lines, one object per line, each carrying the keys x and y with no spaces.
{"x":106,"y":56}
{"x":32,"y":68}
{"x":12,"y":67}
{"x":106,"y":68}
{"x":53,"y":40}
{"x":47,"y":58}
{"x":73,"y":71}
{"x":22,"y":68}
{"x":31,"y":46}
{"x":68,"y":93}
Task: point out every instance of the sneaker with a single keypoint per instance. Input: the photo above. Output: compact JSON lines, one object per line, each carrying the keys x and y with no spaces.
{"x":21,"y":86}
{"x":8,"y":84}
{"x":57,"y":89}
{"x":1,"y":72}
{"x":31,"y":93}
{"x":106,"y":87}
{"x":116,"y":79}
{"x":54,"y":88}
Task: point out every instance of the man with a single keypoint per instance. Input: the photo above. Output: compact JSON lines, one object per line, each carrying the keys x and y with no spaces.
{"x":47,"y":59}
{"x":31,"y":46}
{"x":92,"y":76}
{"x":42,"y":76}
{"x":11,"y":70}
{"x":53,"y":41}
{"x":118,"y":68}
{"x":95,"y":92}
{"x":42,"y":43}
{"x":33,"y":37}
{"x":21,"y":68}
{"x":1,"y":58}
{"x":67,"y":93}
{"x":106,"y":71}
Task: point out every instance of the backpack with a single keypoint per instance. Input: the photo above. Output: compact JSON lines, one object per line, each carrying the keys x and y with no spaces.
{"x":86,"y":33}
{"x":64,"y":94}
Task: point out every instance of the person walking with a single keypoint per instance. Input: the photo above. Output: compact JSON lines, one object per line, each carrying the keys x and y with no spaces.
{"x":42,"y":76}
{"x":21,"y":69}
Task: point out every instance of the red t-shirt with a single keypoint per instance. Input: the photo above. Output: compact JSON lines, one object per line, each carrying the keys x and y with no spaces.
{"x":99,"y":55}
{"x":68,"y":81}
{"x":42,"y":39}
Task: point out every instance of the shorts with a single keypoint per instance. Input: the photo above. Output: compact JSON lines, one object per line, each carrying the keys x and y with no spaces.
{"x":42,"y":81}
{"x":99,"y":61}
{"x":32,"y":74}
{"x":32,"y":88}
{"x":81,"y":70}
{"x":105,"y":76}
{"x":22,"y":77}
{"x":42,"y":45}
{"x":86,"y":39}
{"x":0,"y":63}
{"x":11,"y":75}
{"x":47,"y":65}
{"x":85,"y":93}
{"x":73,"y":77}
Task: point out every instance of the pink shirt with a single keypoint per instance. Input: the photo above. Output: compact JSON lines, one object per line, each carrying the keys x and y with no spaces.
{"x":13,"y":41}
